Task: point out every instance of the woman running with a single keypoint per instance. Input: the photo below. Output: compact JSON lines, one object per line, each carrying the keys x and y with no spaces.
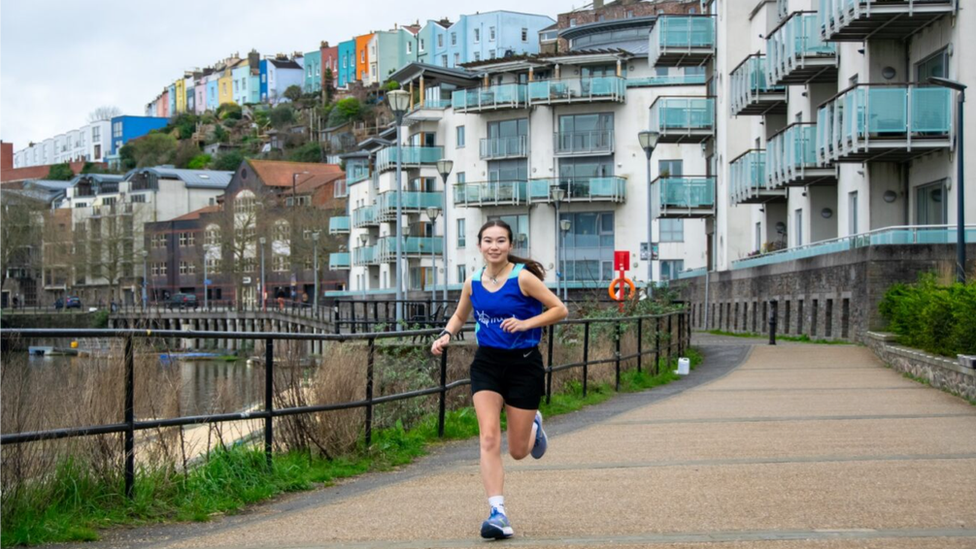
{"x":507,"y":296}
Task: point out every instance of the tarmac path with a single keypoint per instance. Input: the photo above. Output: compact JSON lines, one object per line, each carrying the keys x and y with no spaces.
{"x":795,"y":446}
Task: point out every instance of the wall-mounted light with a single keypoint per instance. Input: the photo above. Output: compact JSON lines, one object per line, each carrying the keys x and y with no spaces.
{"x":889,"y":196}
{"x":888,"y":73}
{"x":826,"y":213}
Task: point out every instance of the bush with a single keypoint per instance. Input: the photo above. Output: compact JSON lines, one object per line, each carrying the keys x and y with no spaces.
{"x":60,"y":172}
{"x":281,"y":116}
{"x":199,"y":162}
{"x":228,"y":161}
{"x":309,"y":152}
{"x":347,"y":109}
{"x":229,"y":111}
{"x":928,"y":316}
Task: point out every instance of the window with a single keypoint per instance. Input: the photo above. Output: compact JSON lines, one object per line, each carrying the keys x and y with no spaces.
{"x":852,"y":213}
{"x":670,"y":168}
{"x":108,"y":201}
{"x":462,"y":274}
{"x":572,"y":22}
{"x":461,"y":238}
{"x":186,"y":239}
{"x":931,"y":206}
{"x":491,"y":33}
{"x":454,"y":38}
{"x":422,"y":44}
{"x":440,"y":40}
{"x":249,"y":264}
{"x":362,"y":56}
{"x":630,"y":14}
{"x":671,"y":268}
{"x":409,"y":47}
{"x":477,"y":56}
{"x":525,"y":34}
{"x":460,"y":137}
{"x":589,"y":246}
{"x":798,"y":227}
{"x":672,"y":230}
{"x":491,"y":54}
{"x":457,"y":59}
{"x":477,"y":35}
{"x":280,"y":263}
{"x":96,"y":134}
{"x":444,"y":60}
{"x":758,"y":237}
{"x":213,"y":265}
{"x":212,"y":235}
{"x":187,"y":268}
{"x":137,"y":198}
{"x":936,"y":64}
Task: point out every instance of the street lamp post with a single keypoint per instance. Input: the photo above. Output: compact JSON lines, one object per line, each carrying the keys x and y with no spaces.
{"x":960,"y":170}
{"x":315,"y":244}
{"x":264,"y":282}
{"x":558,"y":193}
{"x":145,"y":278}
{"x":432,"y":213}
{"x":648,"y":140}
{"x":363,"y":239}
{"x":206,"y":256}
{"x":564,"y":224}
{"x":444,"y":168}
{"x":399,"y":103}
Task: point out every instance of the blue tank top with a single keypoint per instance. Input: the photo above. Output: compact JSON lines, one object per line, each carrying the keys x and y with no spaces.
{"x":491,"y":308}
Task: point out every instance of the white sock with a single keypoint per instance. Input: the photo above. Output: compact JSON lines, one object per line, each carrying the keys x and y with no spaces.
{"x":497,"y":502}
{"x":535,"y":433}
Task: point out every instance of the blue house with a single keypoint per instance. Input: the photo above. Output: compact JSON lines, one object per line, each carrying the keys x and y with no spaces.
{"x":347,"y":63}
{"x":126,"y":128}
{"x":172,"y":99}
{"x":481,"y":36}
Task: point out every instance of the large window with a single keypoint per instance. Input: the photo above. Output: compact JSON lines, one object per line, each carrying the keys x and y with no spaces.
{"x":588,"y":249}
{"x":508,"y":128}
{"x":671,"y":268}
{"x":670,"y":168}
{"x":672,"y":230}
{"x":936,"y":64}
{"x":575,"y":173}
{"x":461,"y":236}
{"x":508,"y":170}
{"x":584,"y":125}
{"x":930,"y":204}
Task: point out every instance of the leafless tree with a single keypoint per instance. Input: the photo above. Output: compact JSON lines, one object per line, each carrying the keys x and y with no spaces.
{"x":105,"y":112}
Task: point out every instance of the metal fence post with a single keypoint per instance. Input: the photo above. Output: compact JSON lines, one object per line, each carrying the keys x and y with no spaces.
{"x":443,"y":403}
{"x":586,"y":354}
{"x":617,"y":349}
{"x":773,"y":306}
{"x":670,"y":340}
{"x":130,"y":420}
{"x":681,"y":333}
{"x":369,"y":392}
{"x":549,"y":372}
{"x":639,"y":346}
{"x":657,"y":345}
{"x":268,"y":397}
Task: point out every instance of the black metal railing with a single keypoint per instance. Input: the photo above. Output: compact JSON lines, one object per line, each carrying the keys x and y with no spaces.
{"x":676,"y":342}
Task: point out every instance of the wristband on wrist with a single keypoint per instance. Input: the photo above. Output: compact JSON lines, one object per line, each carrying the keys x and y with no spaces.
{"x":444,"y":331}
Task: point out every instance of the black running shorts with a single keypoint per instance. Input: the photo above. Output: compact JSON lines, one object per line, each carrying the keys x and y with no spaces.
{"x":516,"y":374}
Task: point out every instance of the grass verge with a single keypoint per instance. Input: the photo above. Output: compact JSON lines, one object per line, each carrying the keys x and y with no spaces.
{"x":238,"y":476}
{"x":797,"y":339}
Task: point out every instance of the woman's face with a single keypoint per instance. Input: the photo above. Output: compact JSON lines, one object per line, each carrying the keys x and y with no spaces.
{"x":495,"y":244}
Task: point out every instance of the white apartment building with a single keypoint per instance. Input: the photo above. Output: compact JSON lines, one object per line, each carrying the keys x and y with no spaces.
{"x":90,"y":143}
{"x":520,"y":132}
{"x":828,"y":127}
{"x":108,"y":215}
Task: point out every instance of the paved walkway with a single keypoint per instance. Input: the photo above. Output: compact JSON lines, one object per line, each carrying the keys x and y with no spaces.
{"x":794,"y":446}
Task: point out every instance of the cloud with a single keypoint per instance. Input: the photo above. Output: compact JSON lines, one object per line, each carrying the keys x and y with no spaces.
{"x":59,"y":60}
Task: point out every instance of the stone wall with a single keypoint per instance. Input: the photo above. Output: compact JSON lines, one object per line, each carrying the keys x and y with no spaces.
{"x":941,"y":372}
{"x":833,"y":296}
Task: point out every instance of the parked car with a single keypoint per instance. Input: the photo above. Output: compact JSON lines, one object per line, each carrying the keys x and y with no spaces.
{"x":72,"y":302}
{"x":182,"y":301}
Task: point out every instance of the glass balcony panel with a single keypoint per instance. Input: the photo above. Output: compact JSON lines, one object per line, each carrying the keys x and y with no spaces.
{"x":612,"y":88}
{"x":600,"y":141}
{"x":339,"y":260}
{"x":339,"y":225}
{"x":489,"y":193}
{"x":687,"y":192}
{"x":490,"y":97}
{"x":682,"y":113}
{"x":412,"y":156}
{"x":504,"y":147}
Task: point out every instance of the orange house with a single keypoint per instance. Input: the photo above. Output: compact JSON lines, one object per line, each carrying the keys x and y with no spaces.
{"x":362,"y":58}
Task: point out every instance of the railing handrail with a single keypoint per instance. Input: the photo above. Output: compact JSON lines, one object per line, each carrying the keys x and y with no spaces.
{"x":905,"y":85}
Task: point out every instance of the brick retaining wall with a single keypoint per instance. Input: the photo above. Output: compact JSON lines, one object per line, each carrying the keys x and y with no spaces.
{"x":941,"y":372}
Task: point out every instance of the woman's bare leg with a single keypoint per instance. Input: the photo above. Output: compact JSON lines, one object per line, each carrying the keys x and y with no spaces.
{"x":521,"y":435}
{"x":488,"y":407}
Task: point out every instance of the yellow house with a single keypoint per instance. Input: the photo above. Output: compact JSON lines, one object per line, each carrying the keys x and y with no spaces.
{"x":180,"y":96}
{"x":225,"y":86}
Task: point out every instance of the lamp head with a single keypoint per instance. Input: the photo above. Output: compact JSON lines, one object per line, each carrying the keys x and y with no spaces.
{"x":399,"y":101}
{"x":315,"y":236}
{"x":558,"y":193}
{"x":444,"y":167}
{"x":564,"y":225}
{"x":648,"y":139}
{"x":262,"y":241}
{"x":363,"y":238}
{"x":433,"y":212}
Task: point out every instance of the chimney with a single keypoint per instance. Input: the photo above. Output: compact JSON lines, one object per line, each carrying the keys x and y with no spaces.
{"x":597,"y":4}
{"x":254,"y":59}
{"x":6,"y":155}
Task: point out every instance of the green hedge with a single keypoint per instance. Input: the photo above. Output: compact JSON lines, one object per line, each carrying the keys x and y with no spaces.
{"x":938,"y":319}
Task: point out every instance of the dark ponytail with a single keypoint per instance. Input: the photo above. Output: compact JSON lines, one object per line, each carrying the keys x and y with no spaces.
{"x":531,"y":265}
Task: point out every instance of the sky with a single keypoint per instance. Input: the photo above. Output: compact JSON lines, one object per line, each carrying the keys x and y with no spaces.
{"x":59,"y":60}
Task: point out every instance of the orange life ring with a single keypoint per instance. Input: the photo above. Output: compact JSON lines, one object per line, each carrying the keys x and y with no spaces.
{"x":613,"y":287}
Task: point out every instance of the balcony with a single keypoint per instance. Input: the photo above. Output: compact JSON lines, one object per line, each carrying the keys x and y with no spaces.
{"x":494,"y":148}
{"x":683,"y":197}
{"x":490,"y":98}
{"x":792,"y":158}
{"x":667,"y":80}
{"x":751,"y":92}
{"x":592,"y":142}
{"x":364,"y":256}
{"x":797,"y":54}
{"x":584,"y":189}
{"x":339,"y":261}
{"x":356,"y":172}
{"x":429,"y":110}
{"x":413,"y":247}
{"x":490,"y":193}
{"x":682,"y":40}
{"x":747,"y":180}
{"x":578,"y":90}
{"x":339,"y":225}
{"x":884,"y":123}
{"x":683,"y":119}
{"x":411,"y":202}
{"x":859,"y":20}
{"x":366,"y":216}
{"x":413,"y":157}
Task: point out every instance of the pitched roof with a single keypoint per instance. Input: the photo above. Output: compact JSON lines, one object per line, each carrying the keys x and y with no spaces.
{"x":308,"y":183}
{"x":279,"y":173}
{"x":285,"y":64}
{"x":198,"y":179}
{"x":195,"y":214}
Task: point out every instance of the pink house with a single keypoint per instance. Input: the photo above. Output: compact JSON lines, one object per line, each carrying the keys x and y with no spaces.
{"x":200,"y":89}
{"x":330,"y":61}
{"x":163,"y":105}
